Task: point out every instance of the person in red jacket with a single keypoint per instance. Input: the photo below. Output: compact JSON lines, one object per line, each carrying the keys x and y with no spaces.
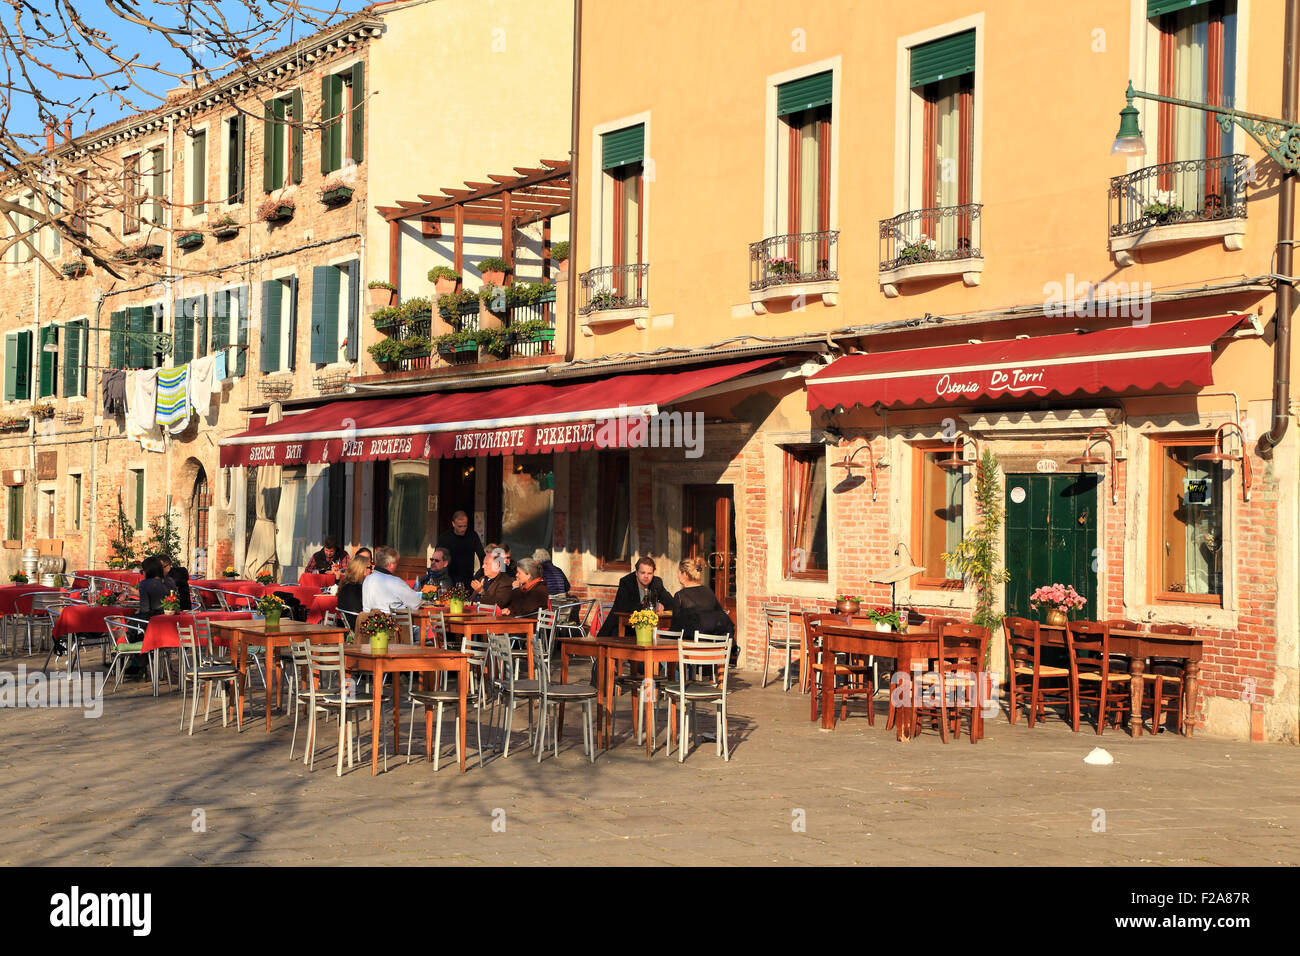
{"x":530,"y":594}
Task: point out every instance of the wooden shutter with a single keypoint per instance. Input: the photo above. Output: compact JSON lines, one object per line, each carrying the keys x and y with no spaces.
{"x":804,"y":93}
{"x":358,"y":111}
{"x":622,"y":147}
{"x":270,"y":341}
{"x":235,"y":175}
{"x":241,"y":325}
{"x":73,"y":350}
{"x":291,"y":360}
{"x":137,"y":323}
{"x":295,"y":133}
{"x":325,"y":286}
{"x":49,"y":361}
{"x":157,"y":187}
{"x":329,"y":129}
{"x":11,"y":366}
{"x":354,"y":310}
{"x":222,"y":303}
{"x":117,"y":340}
{"x":201,"y":326}
{"x":199,"y":173}
{"x":23,"y":379}
{"x":270,"y":143}
{"x":943,"y":59}
{"x":182,"y":331}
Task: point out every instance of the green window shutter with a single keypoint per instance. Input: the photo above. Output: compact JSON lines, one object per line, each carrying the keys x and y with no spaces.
{"x":201,"y":324}
{"x":49,"y":361}
{"x":222,"y":302}
{"x":139,"y":500}
{"x":73,"y":349}
{"x":157,"y":188}
{"x":11,"y":366}
{"x":354,"y":310}
{"x":295,"y":132}
{"x":329,"y":129}
{"x":622,"y":147}
{"x":117,"y":340}
{"x":240,"y":317}
{"x":183,"y":331}
{"x":199,"y":173}
{"x":291,"y":360}
{"x":358,"y":112}
{"x":23,"y":389}
{"x":237,"y":161}
{"x":270,"y":141}
{"x":943,"y":59}
{"x":270,"y":342}
{"x":137,"y":323}
{"x":1156,"y":8}
{"x":803,"y":93}
{"x":324,"y":290}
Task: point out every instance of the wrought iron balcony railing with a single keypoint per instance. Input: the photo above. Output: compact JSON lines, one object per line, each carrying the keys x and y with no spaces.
{"x":532,"y":339}
{"x":941,"y":234}
{"x":796,"y":258}
{"x":1190,"y":190}
{"x":615,"y":287}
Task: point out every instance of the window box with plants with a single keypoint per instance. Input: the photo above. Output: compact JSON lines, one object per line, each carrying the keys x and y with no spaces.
{"x":492,"y":342}
{"x":225,"y":228}
{"x":417,"y":346}
{"x":604,"y":300}
{"x":189,"y":240}
{"x":419,"y":309}
{"x":494,"y":270}
{"x":495,"y":299}
{"x":43,"y":412}
{"x":381,"y":293}
{"x":387,"y":319}
{"x":140,"y":250}
{"x":272,"y":209}
{"x":529,"y":330}
{"x":449,"y":304}
{"x":445,"y":279}
{"x":387,"y":351}
{"x":335,"y":191}
{"x":74,"y":269}
{"x":457,"y":343}
{"x":14,"y":424}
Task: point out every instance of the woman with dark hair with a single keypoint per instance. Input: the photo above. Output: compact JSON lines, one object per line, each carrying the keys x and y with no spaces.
{"x":698,"y":608}
{"x":178,"y":579}
{"x":154,"y":587}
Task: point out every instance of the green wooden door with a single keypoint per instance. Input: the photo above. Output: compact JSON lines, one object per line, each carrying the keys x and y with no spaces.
{"x":1051,"y":536}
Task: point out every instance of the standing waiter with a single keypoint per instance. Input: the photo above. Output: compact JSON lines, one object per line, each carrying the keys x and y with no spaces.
{"x":462,"y":546}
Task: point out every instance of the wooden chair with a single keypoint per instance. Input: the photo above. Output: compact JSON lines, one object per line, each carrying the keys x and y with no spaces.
{"x":855,"y":675}
{"x":1091,"y":679}
{"x":1167,"y":678}
{"x":1028,"y":674}
{"x":956,"y":682}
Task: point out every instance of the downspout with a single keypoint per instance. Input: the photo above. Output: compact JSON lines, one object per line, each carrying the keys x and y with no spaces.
{"x":95,"y":416}
{"x":571,"y":324}
{"x":1285,"y":221}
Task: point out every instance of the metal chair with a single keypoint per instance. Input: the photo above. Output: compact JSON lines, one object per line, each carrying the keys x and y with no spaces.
{"x":507,"y":689}
{"x":684,"y":691}
{"x":478,"y":655}
{"x":195,"y":673}
{"x":776,"y":616}
{"x":553,"y":695}
{"x":326,"y":659}
{"x":127,"y":641}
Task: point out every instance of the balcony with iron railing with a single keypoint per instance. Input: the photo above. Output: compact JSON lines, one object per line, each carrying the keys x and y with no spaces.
{"x":1181,"y":201}
{"x":935,"y":243}
{"x":462,"y":347}
{"x":530,"y":326}
{"x":615,"y":294}
{"x":795,"y":265}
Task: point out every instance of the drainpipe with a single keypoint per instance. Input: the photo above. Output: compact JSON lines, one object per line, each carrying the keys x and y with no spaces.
{"x":94,"y":397}
{"x":1285,"y":216}
{"x":571,"y":324}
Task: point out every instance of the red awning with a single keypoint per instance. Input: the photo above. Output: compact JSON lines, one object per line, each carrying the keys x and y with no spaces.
{"x":607,"y":413}
{"x":1168,"y":353}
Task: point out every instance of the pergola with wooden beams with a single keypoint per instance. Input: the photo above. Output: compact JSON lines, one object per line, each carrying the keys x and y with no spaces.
{"x":532,"y":195}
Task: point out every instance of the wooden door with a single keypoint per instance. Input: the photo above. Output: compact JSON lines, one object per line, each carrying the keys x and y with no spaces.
{"x":709,"y":535}
{"x":1051,"y":536}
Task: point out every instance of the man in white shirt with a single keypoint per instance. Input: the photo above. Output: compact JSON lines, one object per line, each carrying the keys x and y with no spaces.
{"x":382,"y":589}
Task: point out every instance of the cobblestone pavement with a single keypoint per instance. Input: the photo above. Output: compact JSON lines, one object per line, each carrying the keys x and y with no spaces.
{"x":123,"y":789}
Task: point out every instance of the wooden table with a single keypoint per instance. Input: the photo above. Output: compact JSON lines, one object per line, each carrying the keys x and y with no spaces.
{"x":243,"y":633}
{"x":665,"y":620}
{"x":477,"y":627}
{"x":612,"y":651}
{"x":1137,"y":646}
{"x":916,"y":645}
{"x":399,"y":659}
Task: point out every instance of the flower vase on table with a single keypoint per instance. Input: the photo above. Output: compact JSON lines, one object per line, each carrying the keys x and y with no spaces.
{"x":271,"y":606}
{"x":376,"y":629}
{"x":644,"y":623}
{"x":1060,"y":600}
{"x":456,"y":598}
{"x":272,"y":620}
{"x":379,"y":642}
{"x":1057,"y":618}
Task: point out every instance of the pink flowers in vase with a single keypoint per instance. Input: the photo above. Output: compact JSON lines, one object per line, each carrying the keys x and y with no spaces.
{"x":1058,"y":597}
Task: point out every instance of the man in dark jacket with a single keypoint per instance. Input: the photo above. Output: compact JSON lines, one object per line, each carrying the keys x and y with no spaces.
{"x":436,"y":576}
{"x":495,"y":588}
{"x":463,"y":546}
{"x":329,"y":555}
{"x":640,"y":589}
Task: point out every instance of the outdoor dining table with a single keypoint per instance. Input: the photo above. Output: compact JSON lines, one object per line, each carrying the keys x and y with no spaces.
{"x":242,"y":633}
{"x":479,"y":626}
{"x":81,"y":578}
{"x":917,"y":645}
{"x":88,"y":618}
{"x":665,"y":620}
{"x":9,"y":594}
{"x":319,"y":606}
{"x":398,"y":659}
{"x":163,"y":631}
{"x":315,"y":581}
{"x":1137,"y":646}
{"x":609,"y":653}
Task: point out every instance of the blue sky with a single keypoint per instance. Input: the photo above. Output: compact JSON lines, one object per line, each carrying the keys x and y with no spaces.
{"x":149,"y":47}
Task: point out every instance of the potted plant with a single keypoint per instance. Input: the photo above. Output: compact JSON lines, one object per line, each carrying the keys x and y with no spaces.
{"x":335,"y":191}
{"x":917,"y":250}
{"x":449,"y":303}
{"x":560,"y":253}
{"x":456,"y":597}
{"x":18,"y":577}
{"x":976,"y":556}
{"x":1165,"y":208}
{"x":493,"y":342}
{"x":529,"y":330}
{"x":644,"y":623}
{"x":416,"y":346}
{"x":377,"y":628}
{"x":108,"y":598}
{"x":452,"y":342}
{"x":381,"y":293}
{"x":13,"y":424}
{"x":386,"y":351}
{"x":273,"y":209}
{"x":603,"y":299}
{"x":140,"y":250}
{"x":43,"y":411}
{"x":74,"y":268}
{"x":225,"y":228}
{"x":782,"y":268}
{"x":116,"y":564}
{"x":387,"y":317}
{"x":884,"y":619}
{"x":428,"y":594}
{"x":189,"y":240}
{"x":445,"y":279}
{"x":265,"y":577}
{"x":848,"y":604}
{"x":1060,"y":600}
{"x":171,"y":604}
{"x":419,"y":309}
{"x":494,"y":270}
{"x":230,"y":572}
{"x":271,"y":606}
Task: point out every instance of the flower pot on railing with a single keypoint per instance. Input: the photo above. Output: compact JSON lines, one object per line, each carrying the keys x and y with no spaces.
{"x":191,"y":240}
{"x":73,"y":270}
{"x":336,"y":196}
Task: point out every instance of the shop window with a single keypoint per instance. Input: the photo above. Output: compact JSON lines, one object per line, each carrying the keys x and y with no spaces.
{"x":528,"y":500}
{"x":804,"y":513}
{"x":613,"y":523}
{"x":1188,"y":541}
{"x":937,"y":524}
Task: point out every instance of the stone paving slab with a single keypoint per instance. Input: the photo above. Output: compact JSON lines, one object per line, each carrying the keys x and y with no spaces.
{"x":122,"y":790}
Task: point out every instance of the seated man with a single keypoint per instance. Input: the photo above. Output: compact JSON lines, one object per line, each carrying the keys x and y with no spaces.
{"x":329,"y":556}
{"x":640,"y":589}
{"x":530,"y":594}
{"x":495,"y":587}
{"x":437,"y":574}
{"x":382,"y":589}
{"x":557,"y":582}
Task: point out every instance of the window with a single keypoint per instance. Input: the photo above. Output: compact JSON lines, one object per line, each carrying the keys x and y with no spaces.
{"x":189,"y":329}
{"x":198,"y":172}
{"x":74,"y":502}
{"x":622,"y":158}
{"x":235,"y":160}
{"x":804,"y":513}
{"x":18,"y":365}
{"x":335,"y":295}
{"x":804,"y":108}
{"x":342,"y":118}
{"x":279,"y":324}
{"x":21,"y":250}
{"x":129,"y":337}
{"x":131,"y":194}
{"x":80,"y":200}
{"x":613,"y":521}
{"x":937,"y":525}
{"x":135,"y":502}
{"x":49,"y":364}
{"x":157,"y":186}
{"x":230,"y":326}
{"x":1188,"y":542}
{"x":942,"y":140}
{"x":14,"y":516}
{"x":76,"y":347}
{"x":282,"y":141}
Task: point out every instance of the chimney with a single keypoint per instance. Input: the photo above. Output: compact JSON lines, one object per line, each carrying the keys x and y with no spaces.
{"x":67,"y":130}
{"x":49,"y":137}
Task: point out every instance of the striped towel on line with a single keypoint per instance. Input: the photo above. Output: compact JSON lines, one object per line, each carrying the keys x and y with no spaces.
{"x":174,"y":398}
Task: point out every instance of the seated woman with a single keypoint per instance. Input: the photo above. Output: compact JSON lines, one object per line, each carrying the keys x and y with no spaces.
{"x":153,"y":588}
{"x":349,"y":593}
{"x":698,"y":608}
{"x":530,"y":594}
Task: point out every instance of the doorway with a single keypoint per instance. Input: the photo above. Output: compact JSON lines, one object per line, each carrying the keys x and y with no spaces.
{"x":708,"y":534}
{"x":1051,"y":529}
{"x":456,"y":477}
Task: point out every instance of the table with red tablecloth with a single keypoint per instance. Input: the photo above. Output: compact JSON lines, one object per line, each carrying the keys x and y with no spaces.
{"x":162,"y":630}
{"x":319,"y":606}
{"x":23,"y":602}
{"x":316,"y":581}
{"x":10,"y":593}
{"x":88,"y":618}
{"x":131,"y":578}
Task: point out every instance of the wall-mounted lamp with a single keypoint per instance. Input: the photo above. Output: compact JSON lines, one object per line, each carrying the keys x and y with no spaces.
{"x":1088,"y":458}
{"x":1219,"y":455}
{"x":959,"y":459}
{"x":848,"y":464}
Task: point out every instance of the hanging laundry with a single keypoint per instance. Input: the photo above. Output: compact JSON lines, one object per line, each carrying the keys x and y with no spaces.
{"x":142,"y":406}
{"x":219,"y":372}
{"x":113,"y":386}
{"x":174,"y":398}
{"x":203,"y":384}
